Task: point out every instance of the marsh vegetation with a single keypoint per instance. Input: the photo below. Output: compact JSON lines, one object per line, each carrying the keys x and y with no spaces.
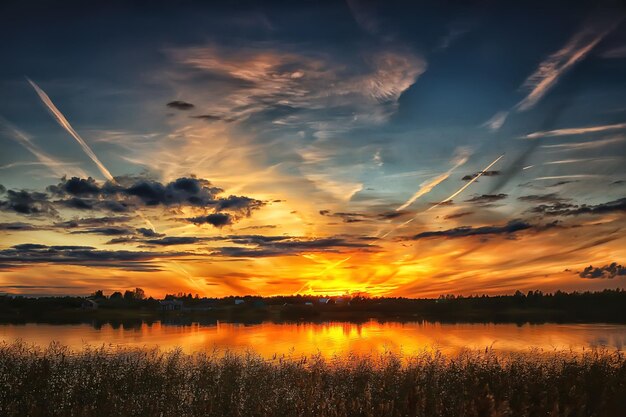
{"x":105,"y":381}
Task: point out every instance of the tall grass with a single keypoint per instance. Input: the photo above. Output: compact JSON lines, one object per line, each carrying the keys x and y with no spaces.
{"x":141,"y":382}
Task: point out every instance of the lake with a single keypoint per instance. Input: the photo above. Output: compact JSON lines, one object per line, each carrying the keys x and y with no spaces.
{"x":329,"y":338}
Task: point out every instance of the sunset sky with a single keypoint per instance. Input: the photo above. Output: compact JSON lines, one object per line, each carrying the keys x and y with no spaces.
{"x":402,"y":149}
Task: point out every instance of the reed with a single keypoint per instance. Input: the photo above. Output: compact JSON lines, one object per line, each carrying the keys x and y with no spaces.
{"x":106,"y":381}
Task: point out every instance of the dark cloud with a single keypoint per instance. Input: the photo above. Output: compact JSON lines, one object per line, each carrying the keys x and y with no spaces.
{"x":267,"y":226}
{"x":269,"y":246}
{"x":115,"y":206}
{"x":30,"y":253}
{"x":107,"y":231}
{"x":566,"y":209}
{"x":183,"y":191}
{"x":559,"y":183}
{"x":607,"y":271}
{"x":354,"y":217}
{"x":174,"y":240}
{"x":213,"y":118}
{"x":76,"y":186}
{"x":180,"y":105}
{"x":238,"y":204}
{"x":257,"y":239}
{"x":93,"y":221}
{"x":465,"y":231}
{"x":349,"y":217}
{"x":443,"y":203}
{"x":487,"y":198}
{"x":145,"y":232}
{"x":214,"y":219}
{"x":121,"y":240}
{"x":18,"y":226}
{"x":77,"y":203}
{"x":258,"y":245}
{"x":457,"y":215}
{"x":482,"y":173}
{"x":392,"y":214}
{"x":128,"y":194}
{"x":28,"y":203}
{"x":542,"y":198}
{"x":2,"y":189}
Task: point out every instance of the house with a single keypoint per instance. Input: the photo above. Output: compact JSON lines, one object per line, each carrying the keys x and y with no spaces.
{"x":239,"y":302}
{"x":323,"y":300}
{"x":308,"y":304}
{"x":89,"y":304}
{"x":171,"y":305}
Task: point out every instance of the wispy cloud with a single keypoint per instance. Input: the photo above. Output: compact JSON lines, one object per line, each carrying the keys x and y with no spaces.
{"x":427,"y":186}
{"x":617,"y":52}
{"x":261,"y":78}
{"x":56,"y":113}
{"x":560,"y":177}
{"x":496,"y":121}
{"x":460,"y":190}
{"x":550,"y":70}
{"x":575,"y":131}
{"x":586,"y":145}
{"x":59,"y":168}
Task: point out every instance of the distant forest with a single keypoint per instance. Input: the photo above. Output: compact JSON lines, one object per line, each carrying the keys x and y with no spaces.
{"x":533,"y":306}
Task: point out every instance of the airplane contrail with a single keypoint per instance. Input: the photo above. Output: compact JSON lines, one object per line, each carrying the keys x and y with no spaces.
{"x":468,"y":184}
{"x":427,"y":186}
{"x":45,"y":159}
{"x":459,"y":191}
{"x":56,"y":113}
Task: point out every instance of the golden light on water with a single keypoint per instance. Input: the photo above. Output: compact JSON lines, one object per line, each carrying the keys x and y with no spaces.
{"x":328,"y":339}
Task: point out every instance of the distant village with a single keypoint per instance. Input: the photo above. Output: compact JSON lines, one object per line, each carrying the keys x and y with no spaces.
{"x":187,"y":302}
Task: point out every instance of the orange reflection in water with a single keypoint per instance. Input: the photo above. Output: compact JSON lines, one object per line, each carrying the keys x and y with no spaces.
{"x":332,"y":338}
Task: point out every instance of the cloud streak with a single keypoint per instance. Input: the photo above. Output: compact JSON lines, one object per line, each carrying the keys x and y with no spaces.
{"x":549,"y":71}
{"x":56,"y":166}
{"x":56,"y":113}
{"x":593,"y":144}
{"x":470,"y":182}
{"x":467,"y":231}
{"x":427,"y":186}
{"x":575,"y":131}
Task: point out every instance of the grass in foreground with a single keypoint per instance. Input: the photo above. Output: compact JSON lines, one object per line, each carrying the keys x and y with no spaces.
{"x":140,"y":382}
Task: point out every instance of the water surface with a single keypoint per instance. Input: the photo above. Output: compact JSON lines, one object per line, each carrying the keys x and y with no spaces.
{"x":331,"y":338}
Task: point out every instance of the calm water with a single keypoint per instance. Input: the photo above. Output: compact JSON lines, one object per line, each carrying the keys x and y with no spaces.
{"x":328,"y":338}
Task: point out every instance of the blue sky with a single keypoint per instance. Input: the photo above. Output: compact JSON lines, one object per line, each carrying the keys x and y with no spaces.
{"x":331,"y":115}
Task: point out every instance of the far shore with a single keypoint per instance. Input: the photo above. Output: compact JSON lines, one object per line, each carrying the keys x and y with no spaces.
{"x":608,"y":306}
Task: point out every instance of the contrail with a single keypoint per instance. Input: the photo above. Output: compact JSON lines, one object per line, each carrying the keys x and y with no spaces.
{"x":56,"y":113}
{"x":66,"y":125}
{"x":468,"y":184}
{"x":427,"y":186}
{"x":551,"y":69}
{"x":45,"y":159}
{"x":487,"y":168}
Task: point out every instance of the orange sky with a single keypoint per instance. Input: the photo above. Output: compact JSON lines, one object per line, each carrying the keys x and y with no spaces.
{"x":269,"y":157}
